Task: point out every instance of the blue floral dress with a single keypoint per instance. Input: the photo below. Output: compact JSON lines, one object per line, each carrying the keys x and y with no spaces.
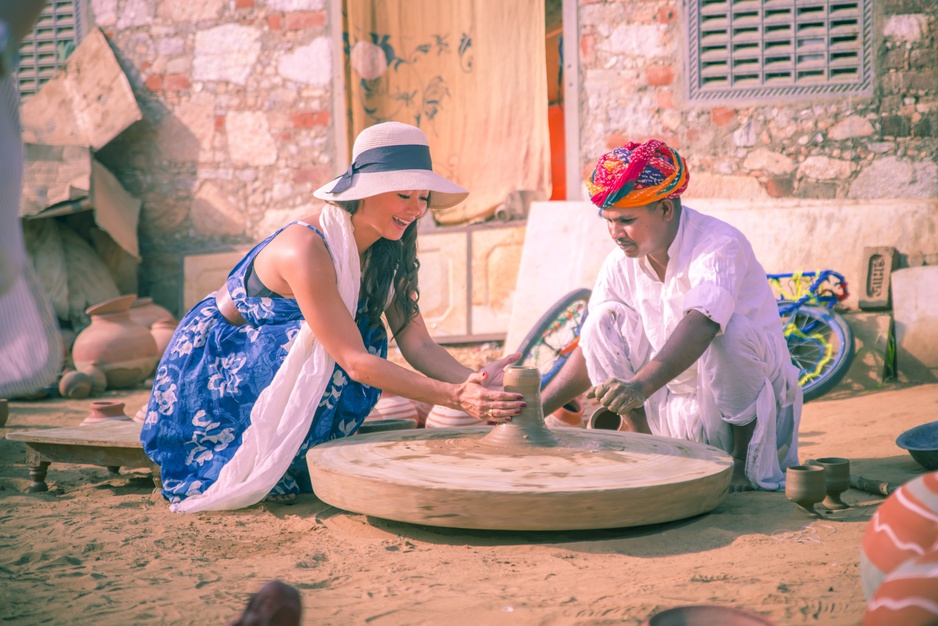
{"x":212,"y":374}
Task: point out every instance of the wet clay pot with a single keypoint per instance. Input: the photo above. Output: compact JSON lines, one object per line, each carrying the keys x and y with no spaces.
{"x":105,"y":411}
{"x":162,"y":331}
{"x":805,"y":486}
{"x":122,"y":349}
{"x":146,"y":312}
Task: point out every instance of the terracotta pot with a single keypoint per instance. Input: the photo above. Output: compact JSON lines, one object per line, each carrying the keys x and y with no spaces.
{"x":604,"y":419}
{"x":121,"y":348}
{"x":105,"y":411}
{"x":569,"y":415}
{"x":75,"y":385}
{"x":445,"y":417}
{"x":391,"y":406}
{"x":162,"y":331}
{"x":146,"y":312}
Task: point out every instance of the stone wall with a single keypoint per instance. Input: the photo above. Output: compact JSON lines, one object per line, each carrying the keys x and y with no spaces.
{"x":237,"y":129}
{"x":632,"y":77}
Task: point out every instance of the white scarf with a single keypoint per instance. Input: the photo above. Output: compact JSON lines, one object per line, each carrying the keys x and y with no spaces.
{"x":281,"y":418}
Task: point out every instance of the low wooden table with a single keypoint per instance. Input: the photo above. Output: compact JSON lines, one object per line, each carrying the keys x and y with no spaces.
{"x":110,"y":444}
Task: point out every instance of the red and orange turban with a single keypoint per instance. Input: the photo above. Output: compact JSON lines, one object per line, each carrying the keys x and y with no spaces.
{"x":637,"y":174}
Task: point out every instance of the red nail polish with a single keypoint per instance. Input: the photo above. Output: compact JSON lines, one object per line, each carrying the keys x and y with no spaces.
{"x":524,"y":404}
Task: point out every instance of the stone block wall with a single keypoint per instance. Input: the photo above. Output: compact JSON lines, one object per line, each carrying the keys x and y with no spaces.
{"x":632,"y":87}
{"x":237,"y":129}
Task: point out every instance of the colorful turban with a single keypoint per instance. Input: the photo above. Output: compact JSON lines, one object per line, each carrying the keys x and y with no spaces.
{"x":637,"y":174}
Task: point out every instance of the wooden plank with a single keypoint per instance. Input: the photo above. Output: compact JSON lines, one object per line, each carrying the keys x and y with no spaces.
{"x":123,"y":434}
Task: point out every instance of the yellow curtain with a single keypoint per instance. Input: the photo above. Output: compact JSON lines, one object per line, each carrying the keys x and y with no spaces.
{"x":471,"y":74}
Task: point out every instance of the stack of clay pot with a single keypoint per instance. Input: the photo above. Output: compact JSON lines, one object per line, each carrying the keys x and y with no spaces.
{"x":114,"y":350}
{"x":444,"y":417}
{"x":391,"y":406}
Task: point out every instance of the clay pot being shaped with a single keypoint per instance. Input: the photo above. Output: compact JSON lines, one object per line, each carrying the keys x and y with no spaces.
{"x":162,"y":331}
{"x":75,"y":385}
{"x":837,"y":480}
{"x":121,"y":348}
{"x":146,"y":312}
{"x":391,"y":406}
{"x":444,"y":417}
{"x":105,"y":411}
{"x":805,"y":486}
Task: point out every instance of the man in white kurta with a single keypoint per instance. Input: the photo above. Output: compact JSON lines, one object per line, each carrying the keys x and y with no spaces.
{"x":683,"y":337}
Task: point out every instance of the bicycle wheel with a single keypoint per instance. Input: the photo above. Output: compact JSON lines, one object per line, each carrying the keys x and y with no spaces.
{"x":555,"y":335}
{"x":821,"y":346}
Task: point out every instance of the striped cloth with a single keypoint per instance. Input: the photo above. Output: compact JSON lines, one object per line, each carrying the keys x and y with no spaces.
{"x":899,"y":557}
{"x":30,"y":343}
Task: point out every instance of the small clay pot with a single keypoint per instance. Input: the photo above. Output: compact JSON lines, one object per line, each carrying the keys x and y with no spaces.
{"x":98,"y":379}
{"x":837,"y":480}
{"x":75,"y":385}
{"x":105,"y":411}
{"x":604,"y":419}
{"x":805,"y":486}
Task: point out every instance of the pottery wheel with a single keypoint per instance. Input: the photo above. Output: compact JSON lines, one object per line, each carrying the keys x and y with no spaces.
{"x":520,"y":476}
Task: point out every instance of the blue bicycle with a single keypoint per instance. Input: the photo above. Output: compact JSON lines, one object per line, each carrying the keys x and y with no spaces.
{"x":819,"y":339}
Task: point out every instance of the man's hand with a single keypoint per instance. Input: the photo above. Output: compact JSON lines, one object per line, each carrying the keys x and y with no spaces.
{"x":618,"y":396}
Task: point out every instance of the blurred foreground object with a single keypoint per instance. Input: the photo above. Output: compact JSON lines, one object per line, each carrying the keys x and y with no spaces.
{"x":276,"y":604}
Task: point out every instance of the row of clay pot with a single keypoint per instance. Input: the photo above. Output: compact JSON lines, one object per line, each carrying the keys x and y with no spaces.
{"x":119,"y":348}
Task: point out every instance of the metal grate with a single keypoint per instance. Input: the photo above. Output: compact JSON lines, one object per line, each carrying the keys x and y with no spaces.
{"x":42,"y":53}
{"x":771,"y":48}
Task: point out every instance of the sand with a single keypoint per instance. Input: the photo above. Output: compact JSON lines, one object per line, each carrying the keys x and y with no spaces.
{"x":103,"y":549}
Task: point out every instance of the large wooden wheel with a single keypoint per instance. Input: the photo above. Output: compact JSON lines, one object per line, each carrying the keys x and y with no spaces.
{"x":520,"y":476}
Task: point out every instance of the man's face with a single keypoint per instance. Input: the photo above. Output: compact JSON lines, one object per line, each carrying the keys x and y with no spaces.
{"x":643,"y":230}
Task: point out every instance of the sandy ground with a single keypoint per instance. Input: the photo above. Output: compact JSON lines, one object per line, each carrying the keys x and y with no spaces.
{"x":103,"y":549}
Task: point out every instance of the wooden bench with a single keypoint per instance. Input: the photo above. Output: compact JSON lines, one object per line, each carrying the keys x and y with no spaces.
{"x":113,"y":445}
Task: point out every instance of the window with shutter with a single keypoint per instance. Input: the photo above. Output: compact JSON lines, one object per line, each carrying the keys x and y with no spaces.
{"x":778,"y":48}
{"x":42,"y":53}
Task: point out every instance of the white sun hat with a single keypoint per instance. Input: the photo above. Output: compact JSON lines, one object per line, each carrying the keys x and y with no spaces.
{"x":392,"y":156}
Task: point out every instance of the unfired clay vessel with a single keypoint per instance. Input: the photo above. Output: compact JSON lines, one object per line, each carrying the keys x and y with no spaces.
{"x":121,"y":348}
{"x":75,"y":385}
{"x":805,"y":486}
{"x":836,"y":480}
{"x":391,"y":406}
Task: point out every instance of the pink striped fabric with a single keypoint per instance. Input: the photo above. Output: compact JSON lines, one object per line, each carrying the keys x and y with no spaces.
{"x":899,"y":557}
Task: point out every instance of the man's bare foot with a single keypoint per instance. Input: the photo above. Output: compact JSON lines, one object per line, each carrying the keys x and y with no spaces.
{"x":281,"y":498}
{"x":740,"y":482}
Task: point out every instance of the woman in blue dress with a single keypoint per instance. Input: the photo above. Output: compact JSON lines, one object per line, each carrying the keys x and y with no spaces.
{"x":291,"y":351}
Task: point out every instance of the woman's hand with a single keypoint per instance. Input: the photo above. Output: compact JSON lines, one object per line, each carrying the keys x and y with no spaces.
{"x":488,"y":405}
{"x":494,"y":372}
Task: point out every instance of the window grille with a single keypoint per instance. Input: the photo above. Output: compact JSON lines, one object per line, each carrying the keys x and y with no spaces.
{"x":42,"y":53}
{"x":777,"y":48}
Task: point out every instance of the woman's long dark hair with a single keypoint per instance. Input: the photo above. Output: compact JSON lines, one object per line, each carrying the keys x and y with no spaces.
{"x":385,"y":262}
